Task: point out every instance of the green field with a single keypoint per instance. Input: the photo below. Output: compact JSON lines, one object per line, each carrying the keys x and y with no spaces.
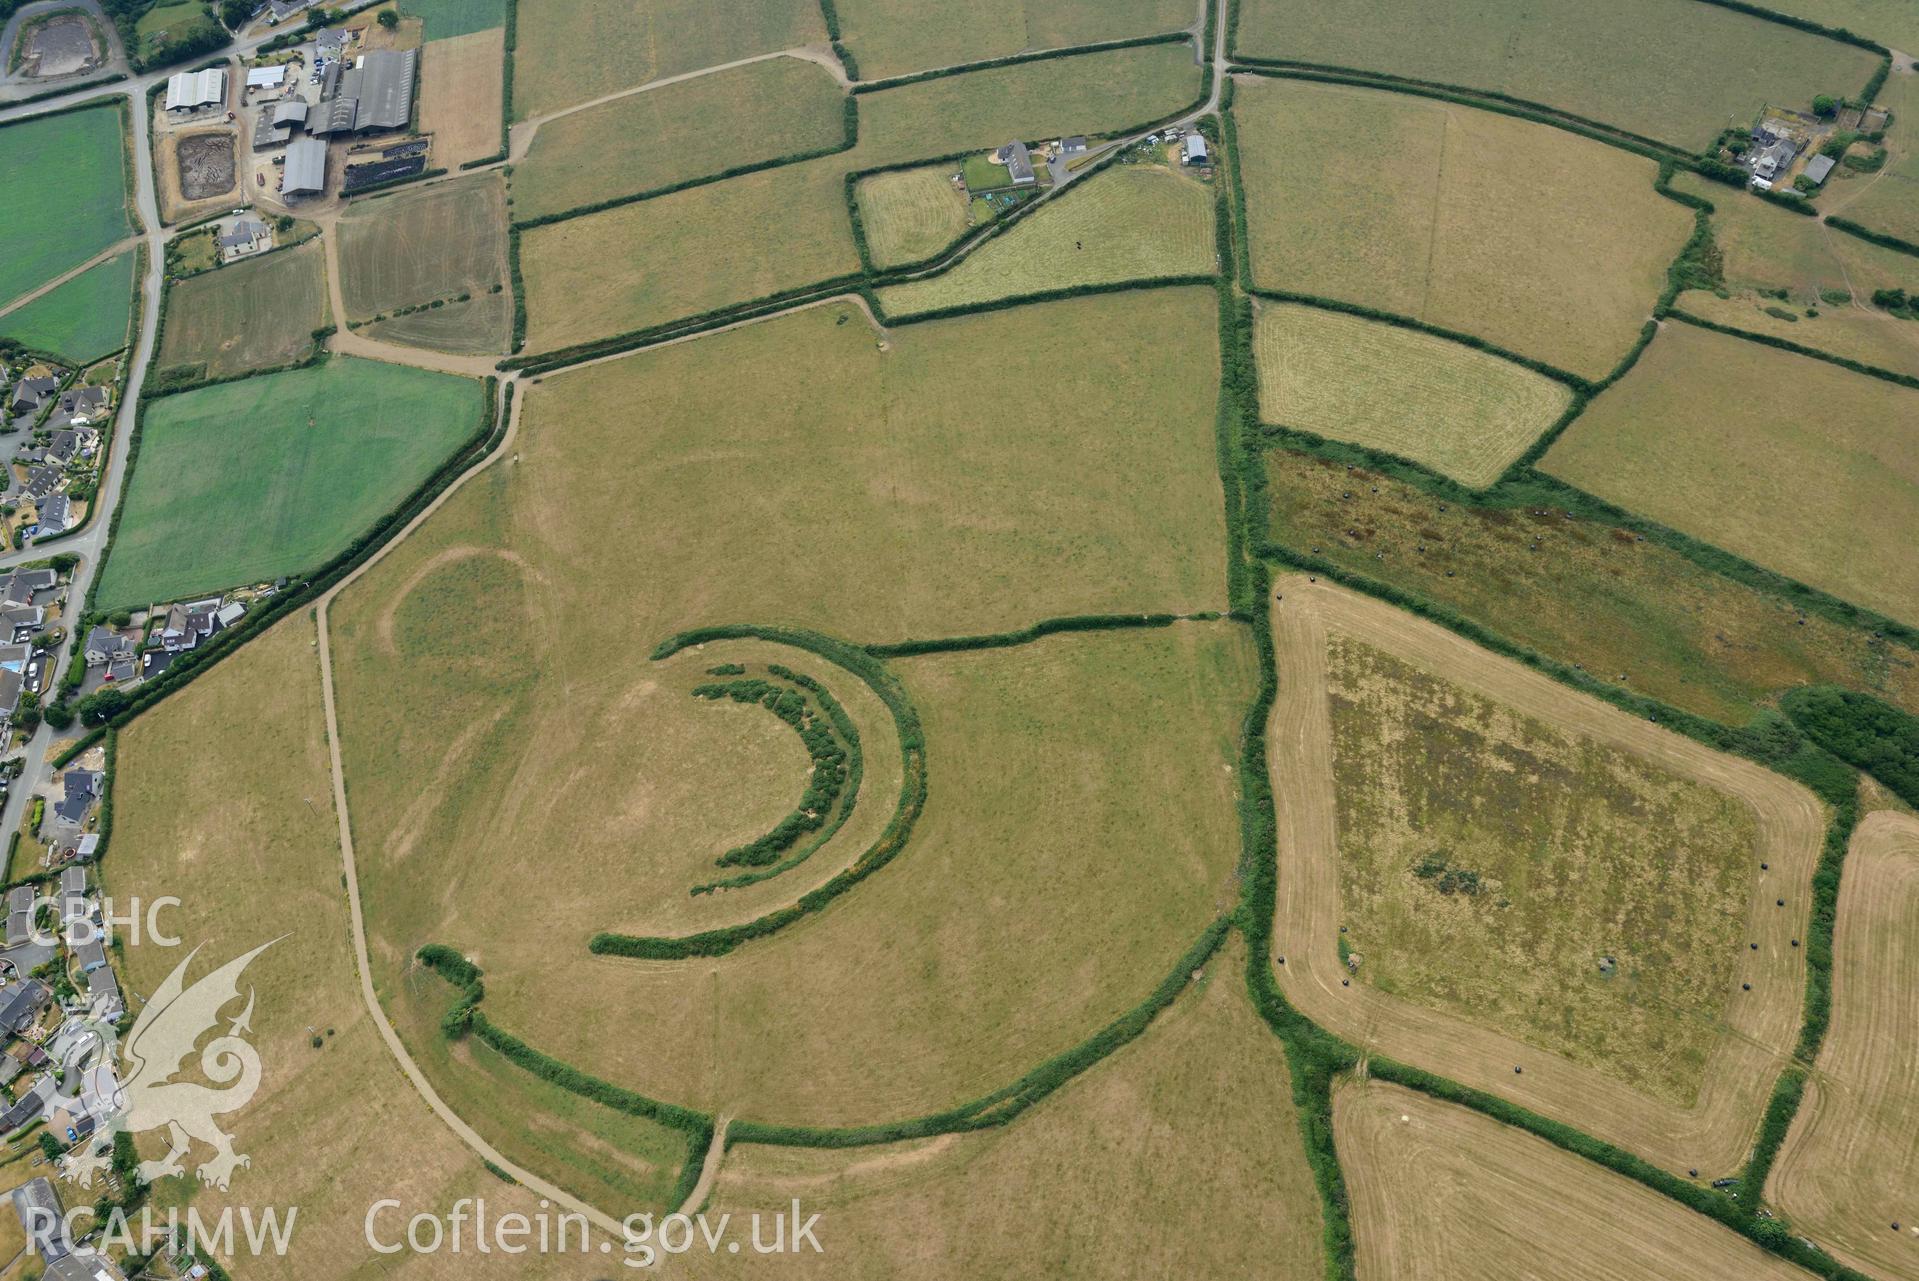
{"x":1673,"y":70}
{"x":1675,"y":630}
{"x":1135,"y":222}
{"x":168,"y":25}
{"x":1820,"y":483}
{"x":910,"y":214}
{"x":47,"y":228}
{"x":83,"y":319}
{"x":1488,"y":860}
{"x":574,"y":51}
{"x":1460,"y":411}
{"x":1887,"y":201}
{"x":1090,"y":94}
{"x":1415,"y":207}
{"x":446,"y":18}
{"x":679,"y":255}
{"x":426,"y":245}
{"x":271,"y":475}
{"x":893,"y":37}
{"x":644,"y":141}
{"x":253,"y":314}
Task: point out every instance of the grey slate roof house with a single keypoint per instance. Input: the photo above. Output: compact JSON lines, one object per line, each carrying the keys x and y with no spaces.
{"x":22,"y":585}
{"x":10,"y":686}
{"x":56,"y":514}
{"x":102,"y":986}
{"x":1018,"y":161}
{"x":81,"y":787}
{"x":20,"y":1003}
{"x":31,"y":393}
{"x":104,"y":645}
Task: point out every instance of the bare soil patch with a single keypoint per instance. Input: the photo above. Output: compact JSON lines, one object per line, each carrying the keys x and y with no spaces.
{"x":205,"y":165}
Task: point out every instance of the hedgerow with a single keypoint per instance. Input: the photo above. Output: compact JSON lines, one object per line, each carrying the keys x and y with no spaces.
{"x":1862,"y":731}
{"x":825,"y":779}
{"x":1770,"y":340}
{"x":1879,"y":238}
{"x":890,"y":842}
{"x":1011,"y":60}
{"x":1025,"y":635}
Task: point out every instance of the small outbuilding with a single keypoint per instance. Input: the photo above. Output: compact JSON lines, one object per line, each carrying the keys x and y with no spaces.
{"x":1818,"y":168}
{"x":1193,"y":150}
{"x":267,"y":77}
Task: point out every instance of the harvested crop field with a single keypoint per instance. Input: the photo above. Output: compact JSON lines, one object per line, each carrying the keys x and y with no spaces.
{"x":626,"y":268}
{"x":1134,"y":222}
{"x":1463,"y":412}
{"x":82,"y":319}
{"x":645,"y":141}
{"x":1762,"y":247}
{"x":460,"y":88}
{"x":1409,"y":206}
{"x":432,"y":244}
{"x":1890,"y":22}
{"x":1849,"y":1169}
{"x":1865,"y":334}
{"x":222,"y":800}
{"x":572,"y":51}
{"x":1821,"y":485}
{"x":253,"y":314}
{"x":271,"y":475}
{"x":1701,"y":1115}
{"x":1211,"y":1182}
{"x":1094,"y":93}
{"x":1677,"y":631}
{"x":1671,"y":70}
{"x":1506,"y":872}
{"x":910,"y":214}
{"x":1443,"y":1193}
{"x":890,"y":38}
{"x":47,"y":228}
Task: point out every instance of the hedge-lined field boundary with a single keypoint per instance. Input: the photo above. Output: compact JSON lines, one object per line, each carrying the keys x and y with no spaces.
{"x":1015,"y":59}
{"x":1867,"y":234}
{"x":1026,"y":635}
{"x":1797,"y":349}
{"x":855,"y":774}
{"x":849,"y":138}
{"x":886,"y":847}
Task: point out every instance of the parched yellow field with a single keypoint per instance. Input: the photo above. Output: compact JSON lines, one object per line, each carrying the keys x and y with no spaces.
{"x":1179,"y":1155}
{"x":793,"y":473}
{"x":425,"y":245}
{"x":1767,"y":248}
{"x":460,"y":88}
{"x":1462,"y":412}
{"x":1821,"y":484}
{"x":567,"y":52}
{"x":1673,"y":1066}
{"x":908,"y":214}
{"x":1666,"y":69}
{"x":1849,"y":1169}
{"x":644,"y":141}
{"x":679,"y":255}
{"x":1890,"y":22}
{"x":1419,"y":207}
{"x":252,"y":314}
{"x":890,"y":38}
{"x":222,"y":799}
{"x":1134,"y":222}
{"x":1086,"y":94}
{"x":1861,"y":333}
{"x":1441,"y":1193}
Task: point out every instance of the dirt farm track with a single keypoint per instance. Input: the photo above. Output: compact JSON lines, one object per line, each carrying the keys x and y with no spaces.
{"x":1713,"y":1134}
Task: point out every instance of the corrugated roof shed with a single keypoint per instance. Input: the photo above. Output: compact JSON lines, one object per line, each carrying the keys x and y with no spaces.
{"x":1818,"y":167}
{"x":384,"y":88}
{"x":305,"y":173}
{"x":189,"y":89}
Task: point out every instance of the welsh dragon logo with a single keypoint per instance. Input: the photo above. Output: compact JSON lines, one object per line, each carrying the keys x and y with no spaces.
{"x":143,"y":1096}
